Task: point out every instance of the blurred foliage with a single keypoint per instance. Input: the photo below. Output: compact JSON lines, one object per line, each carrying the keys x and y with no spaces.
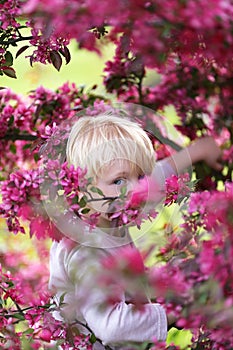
{"x":85,"y":68}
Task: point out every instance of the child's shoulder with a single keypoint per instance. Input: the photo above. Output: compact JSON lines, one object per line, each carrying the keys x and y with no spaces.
{"x":65,"y":244}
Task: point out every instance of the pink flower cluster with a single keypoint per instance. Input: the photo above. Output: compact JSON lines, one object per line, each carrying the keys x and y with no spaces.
{"x":23,"y":192}
{"x":193,"y":58}
{"x":117,"y":271}
{"x":150,"y":18}
{"x":177,"y":188}
{"x":9,"y":11}
{"x":17,"y":191}
{"x":206,"y":41}
{"x":124,"y":71}
{"x":72,"y":181}
{"x":124,"y":212}
{"x":213,"y":209}
{"x":203,"y":252}
{"x":25,"y":298}
{"x":26,"y":123}
{"x":48,"y":48}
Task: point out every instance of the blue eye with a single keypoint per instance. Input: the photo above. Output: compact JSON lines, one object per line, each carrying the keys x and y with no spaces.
{"x":119,"y":182}
{"x":140,"y":177}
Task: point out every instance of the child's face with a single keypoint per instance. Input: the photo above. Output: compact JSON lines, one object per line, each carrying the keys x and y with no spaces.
{"x":114,"y":176}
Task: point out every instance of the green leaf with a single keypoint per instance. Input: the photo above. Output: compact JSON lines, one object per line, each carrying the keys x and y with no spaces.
{"x":56,"y":59}
{"x":11,"y":121}
{"x":66,"y":53}
{"x":75,"y":200}
{"x":28,"y":331}
{"x":21,"y":50}
{"x":96,"y":190}
{"x":8,"y":58}
{"x":31,"y":61}
{"x":13,"y":148}
{"x":10,"y":72}
{"x":203,"y":298}
{"x":85,"y":211}
{"x":92,"y":338}
{"x":10,"y":284}
{"x":19,"y":316}
{"x":28,"y":145}
{"x":36,"y":157}
{"x":123,"y":191}
{"x":82,"y":202}
{"x":62,"y":297}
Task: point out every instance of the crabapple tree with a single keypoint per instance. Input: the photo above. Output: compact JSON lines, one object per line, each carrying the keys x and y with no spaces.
{"x":188,"y":43}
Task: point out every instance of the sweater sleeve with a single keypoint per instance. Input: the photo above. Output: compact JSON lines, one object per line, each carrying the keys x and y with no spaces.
{"x":74,"y":276}
{"x":60,"y":283}
{"x":120,"y":321}
{"x":156,"y":183}
{"x":123,"y":323}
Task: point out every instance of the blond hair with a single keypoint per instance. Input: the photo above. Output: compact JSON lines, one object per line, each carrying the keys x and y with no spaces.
{"x":95,"y":141}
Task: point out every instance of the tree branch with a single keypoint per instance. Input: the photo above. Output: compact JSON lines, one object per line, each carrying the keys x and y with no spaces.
{"x":13,"y":41}
{"x":14,"y":137}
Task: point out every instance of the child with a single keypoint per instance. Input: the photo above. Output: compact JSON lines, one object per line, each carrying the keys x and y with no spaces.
{"x":116,"y":152}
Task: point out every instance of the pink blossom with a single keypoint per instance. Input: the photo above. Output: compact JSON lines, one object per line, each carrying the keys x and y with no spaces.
{"x":177,"y":188}
{"x":168,"y":280}
{"x":45,"y":335}
{"x":128,"y":259}
{"x":198,"y":201}
{"x":147,"y":190}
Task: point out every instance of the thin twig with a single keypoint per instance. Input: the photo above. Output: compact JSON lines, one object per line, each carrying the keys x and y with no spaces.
{"x":14,"y":137}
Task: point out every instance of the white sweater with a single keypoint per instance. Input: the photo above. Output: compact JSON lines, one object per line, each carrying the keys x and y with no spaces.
{"x":73,"y":268}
